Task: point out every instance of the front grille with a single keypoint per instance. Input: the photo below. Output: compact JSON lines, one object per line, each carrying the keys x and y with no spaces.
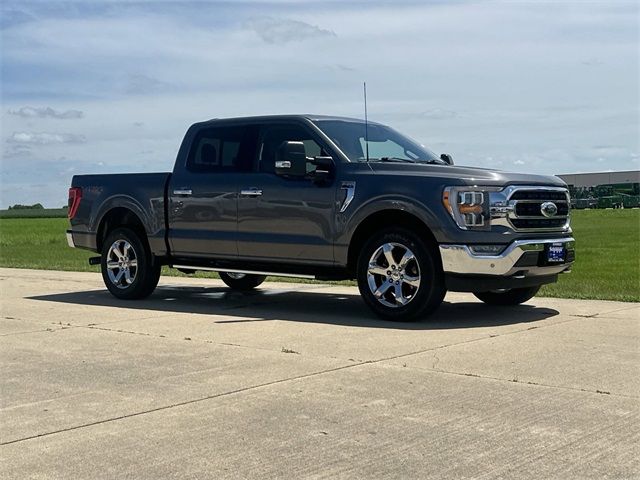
{"x":543,"y":195}
{"x":527,"y":213}
{"x":532,"y":209}
{"x":527,"y":223}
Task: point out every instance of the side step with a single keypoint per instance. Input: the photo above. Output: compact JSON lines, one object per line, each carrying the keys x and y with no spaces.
{"x":95,"y":260}
{"x":250,"y":272}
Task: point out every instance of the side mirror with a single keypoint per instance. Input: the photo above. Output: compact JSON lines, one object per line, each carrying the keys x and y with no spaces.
{"x":291,"y":159}
{"x":324,"y":169}
{"x":446,"y":158}
{"x":323,"y":164}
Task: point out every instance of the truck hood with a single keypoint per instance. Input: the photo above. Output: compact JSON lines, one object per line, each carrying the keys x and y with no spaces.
{"x":465,"y":175}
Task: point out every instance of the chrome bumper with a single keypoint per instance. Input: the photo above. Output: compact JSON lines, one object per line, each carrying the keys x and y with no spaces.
{"x":70,"y":241}
{"x":461,"y":260}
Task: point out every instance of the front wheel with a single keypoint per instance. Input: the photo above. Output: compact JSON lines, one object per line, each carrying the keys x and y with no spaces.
{"x":128,"y":269}
{"x":513,"y":296}
{"x":399,"y":276}
{"x":241,"y":281}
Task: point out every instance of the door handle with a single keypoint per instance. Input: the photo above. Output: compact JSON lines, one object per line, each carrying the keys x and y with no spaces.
{"x":183,"y":191}
{"x":250,"y":192}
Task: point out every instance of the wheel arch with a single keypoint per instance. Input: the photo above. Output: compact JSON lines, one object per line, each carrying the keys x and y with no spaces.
{"x":119,"y":217}
{"x":384,"y":219}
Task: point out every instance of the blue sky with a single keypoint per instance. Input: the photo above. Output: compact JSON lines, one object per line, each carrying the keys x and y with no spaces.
{"x":100,"y":87}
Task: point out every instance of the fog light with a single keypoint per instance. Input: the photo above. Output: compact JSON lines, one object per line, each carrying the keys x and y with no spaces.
{"x":486,"y":249}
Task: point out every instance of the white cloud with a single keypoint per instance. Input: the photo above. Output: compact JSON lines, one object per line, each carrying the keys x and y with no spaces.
{"x":439,"y":113}
{"x":137,"y":84}
{"x":282,"y":30}
{"x":42,"y":138}
{"x":17,"y":151}
{"x":592,"y":62}
{"x":45,"y":112}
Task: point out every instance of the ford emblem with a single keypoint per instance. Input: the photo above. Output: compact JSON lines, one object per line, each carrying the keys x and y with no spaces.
{"x":548,"y":209}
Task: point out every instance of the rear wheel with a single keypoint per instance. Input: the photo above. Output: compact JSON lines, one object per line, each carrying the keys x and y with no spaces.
{"x":128,"y":269}
{"x":241,"y":281}
{"x":399,"y":276}
{"x":514,"y":296}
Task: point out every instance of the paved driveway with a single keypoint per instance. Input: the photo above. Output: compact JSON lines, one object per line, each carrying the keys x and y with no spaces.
{"x":299,"y":381}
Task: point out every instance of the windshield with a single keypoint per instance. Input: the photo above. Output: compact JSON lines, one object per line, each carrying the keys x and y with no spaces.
{"x":385,"y":144}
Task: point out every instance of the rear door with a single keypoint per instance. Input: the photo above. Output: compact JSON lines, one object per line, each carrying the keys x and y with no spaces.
{"x":286,"y":219}
{"x":203,"y":192}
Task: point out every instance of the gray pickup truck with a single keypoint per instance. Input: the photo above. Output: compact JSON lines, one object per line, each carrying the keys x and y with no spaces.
{"x":328,"y":198}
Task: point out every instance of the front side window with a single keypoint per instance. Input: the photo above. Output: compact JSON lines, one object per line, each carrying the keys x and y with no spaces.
{"x":274,"y":135}
{"x":384,"y":142}
{"x":223,"y":149}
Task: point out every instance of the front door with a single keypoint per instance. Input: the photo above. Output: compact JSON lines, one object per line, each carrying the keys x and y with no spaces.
{"x":203,"y":192}
{"x":285,"y":219}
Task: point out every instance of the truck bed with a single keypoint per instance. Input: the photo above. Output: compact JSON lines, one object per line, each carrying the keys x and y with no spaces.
{"x":142,"y":193}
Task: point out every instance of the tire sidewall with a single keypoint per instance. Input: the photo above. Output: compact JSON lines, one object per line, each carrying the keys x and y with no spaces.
{"x":431,"y":290}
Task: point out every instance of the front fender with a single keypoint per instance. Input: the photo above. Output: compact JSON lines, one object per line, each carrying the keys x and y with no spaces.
{"x":352,"y":218}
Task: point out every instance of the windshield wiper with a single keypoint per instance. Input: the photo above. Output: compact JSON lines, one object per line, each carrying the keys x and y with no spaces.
{"x":397,"y":159}
{"x":432,"y":162}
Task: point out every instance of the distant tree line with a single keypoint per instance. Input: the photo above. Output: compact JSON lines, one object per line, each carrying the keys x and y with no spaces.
{"x":35,"y":206}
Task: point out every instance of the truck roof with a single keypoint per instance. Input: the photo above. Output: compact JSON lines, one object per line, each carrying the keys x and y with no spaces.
{"x":305,"y":116}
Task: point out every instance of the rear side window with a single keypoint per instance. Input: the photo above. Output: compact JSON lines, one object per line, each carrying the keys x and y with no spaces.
{"x":223,"y":149}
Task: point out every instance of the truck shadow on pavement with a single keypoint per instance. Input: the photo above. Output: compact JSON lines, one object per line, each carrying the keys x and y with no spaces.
{"x":304,"y":305}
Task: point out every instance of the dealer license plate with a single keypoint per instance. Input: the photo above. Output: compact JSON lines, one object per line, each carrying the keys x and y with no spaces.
{"x":556,"y":253}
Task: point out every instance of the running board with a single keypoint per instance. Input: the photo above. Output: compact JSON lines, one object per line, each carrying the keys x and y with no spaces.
{"x":248,"y":272}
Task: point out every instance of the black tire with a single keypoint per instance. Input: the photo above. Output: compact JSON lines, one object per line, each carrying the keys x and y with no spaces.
{"x":426,"y":265}
{"x":143,"y":280}
{"x":245,"y":282}
{"x":515,"y":296}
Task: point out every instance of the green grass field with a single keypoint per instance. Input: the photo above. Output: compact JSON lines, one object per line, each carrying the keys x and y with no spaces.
{"x":34,"y":213}
{"x":607,"y":267}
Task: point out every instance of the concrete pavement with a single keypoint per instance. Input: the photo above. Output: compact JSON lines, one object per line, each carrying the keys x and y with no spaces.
{"x":299,"y":381}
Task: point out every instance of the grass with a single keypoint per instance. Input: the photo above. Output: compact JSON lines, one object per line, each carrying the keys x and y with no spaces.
{"x":34,"y":213}
{"x":40,"y":243}
{"x":607,"y":257}
{"x":607,"y":266}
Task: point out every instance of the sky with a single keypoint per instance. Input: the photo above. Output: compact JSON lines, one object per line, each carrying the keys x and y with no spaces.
{"x":547,"y":87}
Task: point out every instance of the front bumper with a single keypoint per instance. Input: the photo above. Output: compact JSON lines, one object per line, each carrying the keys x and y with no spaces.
{"x":520,"y":258}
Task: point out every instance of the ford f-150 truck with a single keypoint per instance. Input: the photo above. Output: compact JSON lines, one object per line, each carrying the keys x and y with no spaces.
{"x":326,"y":198}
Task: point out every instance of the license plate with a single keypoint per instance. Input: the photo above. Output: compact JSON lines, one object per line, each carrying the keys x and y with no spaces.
{"x":556,"y":253}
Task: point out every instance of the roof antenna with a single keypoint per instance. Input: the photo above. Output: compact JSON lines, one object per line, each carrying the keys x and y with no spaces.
{"x":366,"y":123}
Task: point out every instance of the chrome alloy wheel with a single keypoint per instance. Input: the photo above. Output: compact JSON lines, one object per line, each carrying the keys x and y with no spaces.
{"x":122,"y":264}
{"x":393,"y":275}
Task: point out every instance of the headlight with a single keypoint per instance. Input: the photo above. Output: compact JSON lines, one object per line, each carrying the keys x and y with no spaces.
{"x":468,"y":206}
